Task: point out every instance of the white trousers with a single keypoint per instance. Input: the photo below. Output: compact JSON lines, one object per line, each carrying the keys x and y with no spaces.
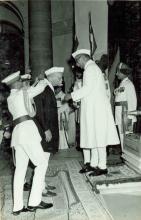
{"x":47,"y":155}
{"x":96,"y":157}
{"x":121,"y":136}
{"x":39,"y":158}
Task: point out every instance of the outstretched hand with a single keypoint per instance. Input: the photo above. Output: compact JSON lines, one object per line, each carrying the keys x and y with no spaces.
{"x":67,"y":97}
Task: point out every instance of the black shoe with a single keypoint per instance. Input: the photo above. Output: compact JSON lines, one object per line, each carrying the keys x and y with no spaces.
{"x":48,"y":187}
{"x":27,"y":186}
{"x":99,"y":172}
{"x":21,"y":210}
{"x":49,"y":194}
{"x":42,"y":205}
{"x":87,"y":168}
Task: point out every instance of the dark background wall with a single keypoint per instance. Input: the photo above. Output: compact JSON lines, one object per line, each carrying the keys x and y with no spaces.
{"x":62,"y":36}
{"x":124,"y":31}
{"x":11,"y":39}
{"x":99,"y":19}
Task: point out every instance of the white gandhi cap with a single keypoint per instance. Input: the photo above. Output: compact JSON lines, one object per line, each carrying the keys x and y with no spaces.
{"x":54,"y":70}
{"x":81,"y":51}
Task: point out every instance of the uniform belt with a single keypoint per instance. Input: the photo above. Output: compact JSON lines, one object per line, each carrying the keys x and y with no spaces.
{"x":123,"y":103}
{"x":21,"y":119}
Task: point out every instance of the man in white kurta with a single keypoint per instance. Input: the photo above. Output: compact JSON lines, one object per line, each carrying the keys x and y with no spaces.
{"x":125,"y":100}
{"x":97,"y":127}
{"x":26,"y":141}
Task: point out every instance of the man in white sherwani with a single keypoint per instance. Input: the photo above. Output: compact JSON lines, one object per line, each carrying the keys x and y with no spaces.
{"x":97,"y":127}
{"x":125,"y":100}
{"x":27,"y":143}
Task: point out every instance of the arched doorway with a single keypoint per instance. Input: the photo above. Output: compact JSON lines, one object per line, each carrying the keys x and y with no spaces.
{"x":11,"y":57}
{"x":11,"y":39}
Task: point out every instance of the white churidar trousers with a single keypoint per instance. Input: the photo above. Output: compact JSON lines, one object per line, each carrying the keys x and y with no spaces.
{"x":96,"y":157}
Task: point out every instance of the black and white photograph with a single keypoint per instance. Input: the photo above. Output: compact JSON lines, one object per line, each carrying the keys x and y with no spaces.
{"x":70,"y":110}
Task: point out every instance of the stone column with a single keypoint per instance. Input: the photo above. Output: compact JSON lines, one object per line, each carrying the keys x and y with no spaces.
{"x":40,"y":36}
{"x":1,"y":201}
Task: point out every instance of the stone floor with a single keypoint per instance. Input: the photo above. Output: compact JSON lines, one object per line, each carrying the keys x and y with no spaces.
{"x":75,"y":199}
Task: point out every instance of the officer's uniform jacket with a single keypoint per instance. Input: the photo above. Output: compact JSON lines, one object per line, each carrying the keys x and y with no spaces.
{"x":125,"y":93}
{"x":97,"y":125}
{"x":25,"y":132}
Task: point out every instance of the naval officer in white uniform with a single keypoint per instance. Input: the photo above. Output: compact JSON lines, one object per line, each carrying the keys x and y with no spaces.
{"x":125,"y":100}
{"x":97,"y":127}
{"x":26,"y":141}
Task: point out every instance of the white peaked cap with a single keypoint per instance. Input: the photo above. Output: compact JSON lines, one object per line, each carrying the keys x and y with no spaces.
{"x":81,"y":51}
{"x":54,"y":70}
{"x":11,"y":78}
{"x":123,"y":66}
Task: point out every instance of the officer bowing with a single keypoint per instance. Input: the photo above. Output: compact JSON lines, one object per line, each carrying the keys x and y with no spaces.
{"x":26,"y":141}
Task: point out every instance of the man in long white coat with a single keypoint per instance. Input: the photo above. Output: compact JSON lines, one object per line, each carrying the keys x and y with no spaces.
{"x":97,"y":127}
{"x":125,"y":100}
{"x":27,"y":143}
